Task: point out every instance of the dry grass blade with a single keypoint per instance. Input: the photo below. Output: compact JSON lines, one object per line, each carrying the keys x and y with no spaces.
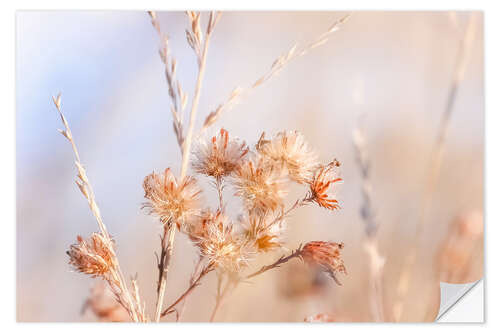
{"x":293,"y":53}
{"x":202,"y":56}
{"x":199,"y":44}
{"x":141,"y":305}
{"x":85,"y":187}
{"x":177,"y":96}
{"x":367,"y":213}
{"x":435,"y":160}
{"x":377,"y":261}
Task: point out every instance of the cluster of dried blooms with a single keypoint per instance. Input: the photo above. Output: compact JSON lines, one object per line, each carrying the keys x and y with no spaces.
{"x":260,"y":176}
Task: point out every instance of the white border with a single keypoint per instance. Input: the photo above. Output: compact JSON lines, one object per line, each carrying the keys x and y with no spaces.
{"x":7,"y":142}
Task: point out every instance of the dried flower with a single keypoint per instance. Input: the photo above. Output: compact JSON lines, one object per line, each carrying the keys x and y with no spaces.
{"x":169,"y":198}
{"x":196,"y":227}
{"x":259,"y":232}
{"x":325,"y":255}
{"x":261,"y":185}
{"x":93,"y":256}
{"x":324,"y":177}
{"x":219,"y":157}
{"x":291,"y":151}
{"x":220,"y":245}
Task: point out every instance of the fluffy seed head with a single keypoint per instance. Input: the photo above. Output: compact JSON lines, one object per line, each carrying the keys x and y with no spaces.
{"x":261,"y":185}
{"x":196,"y":226}
{"x":170,"y":199}
{"x":325,"y":255}
{"x":220,"y":244}
{"x":323,"y":179}
{"x":290,"y":150}
{"x":220,"y":156}
{"x":93,"y":256}
{"x":259,"y":232}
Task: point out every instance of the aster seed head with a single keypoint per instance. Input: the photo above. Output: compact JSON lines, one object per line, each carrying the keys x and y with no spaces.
{"x":290,"y":150}
{"x":221,"y":245}
{"x":170,"y":199}
{"x":259,"y":232}
{"x":219,"y":156}
{"x":261,"y":185}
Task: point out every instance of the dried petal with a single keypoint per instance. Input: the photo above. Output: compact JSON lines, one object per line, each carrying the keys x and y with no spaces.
{"x":325,"y":176}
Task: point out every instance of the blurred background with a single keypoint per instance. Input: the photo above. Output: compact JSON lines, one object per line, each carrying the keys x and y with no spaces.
{"x":388,"y":71}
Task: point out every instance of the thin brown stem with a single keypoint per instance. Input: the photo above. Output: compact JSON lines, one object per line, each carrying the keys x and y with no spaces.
{"x":186,"y":143}
{"x":298,"y":203}
{"x":189,"y":290}
{"x":295,"y":254}
{"x":163,"y":265}
{"x":191,"y":281}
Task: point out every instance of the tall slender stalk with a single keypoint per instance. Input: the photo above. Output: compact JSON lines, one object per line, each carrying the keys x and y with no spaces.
{"x":85,"y":187}
{"x":367,"y":213}
{"x":435,"y":162}
{"x":186,"y":148}
{"x":163,"y":265}
{"x":219,"y":185}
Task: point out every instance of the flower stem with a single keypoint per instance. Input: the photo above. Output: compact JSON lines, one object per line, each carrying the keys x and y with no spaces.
{"x":219,"y":186}
{"x":185,"y":154}
{"x":295,"y":254}
{"x":188,"y":291}
{"x":163,"y":265}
